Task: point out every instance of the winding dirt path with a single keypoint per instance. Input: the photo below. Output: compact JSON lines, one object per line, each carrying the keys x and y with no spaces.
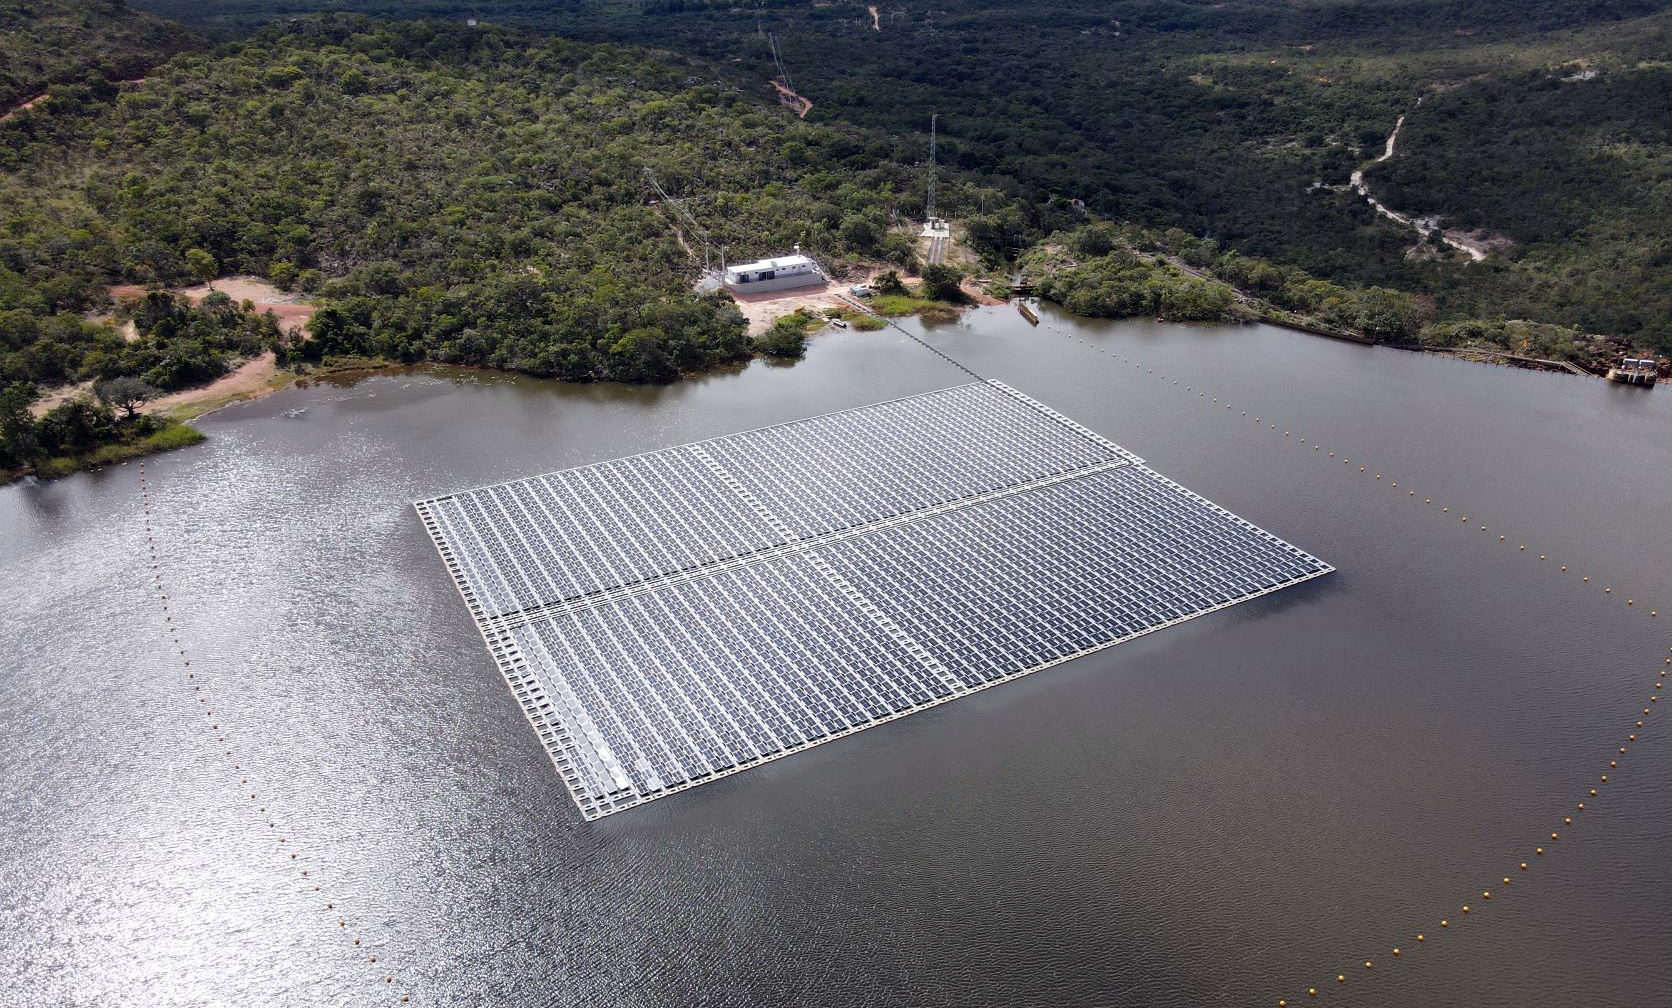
{"x":797,"y":104}
{"x":24,"y":106}
{"x":1421,"y":225}
{"x":876,"y":20}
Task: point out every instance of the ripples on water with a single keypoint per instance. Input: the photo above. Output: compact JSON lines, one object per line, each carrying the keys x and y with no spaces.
{"x":1221,"y":814}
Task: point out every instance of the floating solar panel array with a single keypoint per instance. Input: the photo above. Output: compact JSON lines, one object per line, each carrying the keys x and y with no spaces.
{"x":670,"y":618}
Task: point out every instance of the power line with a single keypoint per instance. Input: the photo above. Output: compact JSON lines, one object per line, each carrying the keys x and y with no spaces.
{"x":934,"y":121}
{"x":783,"y":75}
{"x":698,"y":232}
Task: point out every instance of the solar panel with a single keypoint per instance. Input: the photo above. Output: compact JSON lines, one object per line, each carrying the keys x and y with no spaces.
{"x":673,"y":617}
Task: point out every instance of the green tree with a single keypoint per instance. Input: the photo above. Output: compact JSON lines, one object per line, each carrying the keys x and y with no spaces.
{"x":126,"y":393}
{"x":202,"y":265}
{"x":18,"y":441}
{"x":940,"y":282}
{"x":888,"y":282}
{"x":787,"y":338}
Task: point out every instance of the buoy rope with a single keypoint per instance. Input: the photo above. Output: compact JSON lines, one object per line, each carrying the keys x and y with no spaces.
{"x":914,"y":337}
{"x":1399,"y":952}
{"x":202,"y":690}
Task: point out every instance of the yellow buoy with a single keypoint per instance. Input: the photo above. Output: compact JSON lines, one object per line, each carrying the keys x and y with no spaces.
{"x":1421,"y":938}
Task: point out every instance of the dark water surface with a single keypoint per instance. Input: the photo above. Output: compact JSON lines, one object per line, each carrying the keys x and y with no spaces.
{"x":1221,"y":814}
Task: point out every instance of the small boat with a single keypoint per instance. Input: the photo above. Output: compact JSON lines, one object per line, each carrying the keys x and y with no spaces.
{"x":1027,"y":312}
{"x":839,"y":323}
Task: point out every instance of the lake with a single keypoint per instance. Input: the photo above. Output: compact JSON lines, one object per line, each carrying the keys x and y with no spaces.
{"x":1224,"y":813}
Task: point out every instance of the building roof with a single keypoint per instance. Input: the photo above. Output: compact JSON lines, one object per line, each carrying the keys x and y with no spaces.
{"x":782,"y":262}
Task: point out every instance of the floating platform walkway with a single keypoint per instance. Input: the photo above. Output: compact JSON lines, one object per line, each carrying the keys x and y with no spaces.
{"x":671,"y":618}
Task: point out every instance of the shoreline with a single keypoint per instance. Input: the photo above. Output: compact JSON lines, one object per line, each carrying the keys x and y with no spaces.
{"x":259,"y":378}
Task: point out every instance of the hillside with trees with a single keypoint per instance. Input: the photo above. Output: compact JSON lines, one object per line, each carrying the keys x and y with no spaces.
{"x":46,"y":42}
{"x":477,"y":194}
{"x":1235,"y":120}
{"x":456,"y":195}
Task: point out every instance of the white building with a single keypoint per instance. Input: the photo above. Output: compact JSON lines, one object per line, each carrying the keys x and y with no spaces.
{"x":774,"y":274}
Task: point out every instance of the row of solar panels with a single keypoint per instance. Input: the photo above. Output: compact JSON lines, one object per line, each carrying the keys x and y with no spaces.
{"x":623,"y":522}
{"x":697,"y":679}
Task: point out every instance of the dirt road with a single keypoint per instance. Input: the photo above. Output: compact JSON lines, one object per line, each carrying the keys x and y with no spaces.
{"x":24,"y":106}
{"x":797,"y":104}
{"x":1472,"y":247}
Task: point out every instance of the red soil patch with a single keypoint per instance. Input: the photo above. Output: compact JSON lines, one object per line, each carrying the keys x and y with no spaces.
{"x":797,"y":104}
{"x":24,"y":106}
{"x":289,"y":309}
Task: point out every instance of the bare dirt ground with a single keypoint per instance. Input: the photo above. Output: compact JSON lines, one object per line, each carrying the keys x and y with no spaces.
{"x":58,"y":397}
{"x":250,"y":380}
{"x":764,"y":309}
{"x":797,"y":104}
{"x":291,"y":312}
{"x":23,"y":106}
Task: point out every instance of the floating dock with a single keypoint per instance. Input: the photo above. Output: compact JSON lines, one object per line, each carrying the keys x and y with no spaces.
{"x":1635,"y":371}
{"x":1027,"y":312}
{"x":671,"y":618}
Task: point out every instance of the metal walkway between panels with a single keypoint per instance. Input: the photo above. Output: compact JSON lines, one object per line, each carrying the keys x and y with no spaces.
{"x":670,"y":618}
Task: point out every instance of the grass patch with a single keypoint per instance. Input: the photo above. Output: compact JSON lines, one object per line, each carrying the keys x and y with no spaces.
{"x":331,"y":364}
{"x":191,"y":409}
{"x":175,"y":435}
{"x":906,"y":304}
{"x":862,"y":321}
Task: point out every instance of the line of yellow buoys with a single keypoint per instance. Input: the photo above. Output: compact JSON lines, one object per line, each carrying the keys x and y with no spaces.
{"x":220,"y":734}
{"x":1638,"y":725}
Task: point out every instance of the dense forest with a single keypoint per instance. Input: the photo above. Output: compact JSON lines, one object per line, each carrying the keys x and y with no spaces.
{"x":1574,"y":165}
{"x":1236,"y":120}
{"x":46,"y":42}
{"x":458,"y":195}
{"x":472,"y":193}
